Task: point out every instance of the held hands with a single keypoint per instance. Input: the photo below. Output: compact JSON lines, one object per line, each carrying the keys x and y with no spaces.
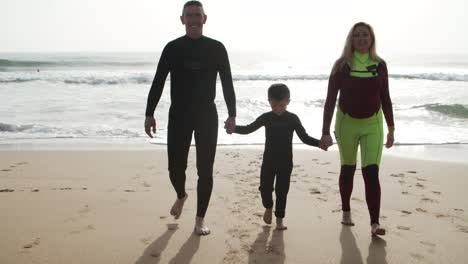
{"x":325,"y":142}
{"x":230,"y":124}
{"x":150,"y":122}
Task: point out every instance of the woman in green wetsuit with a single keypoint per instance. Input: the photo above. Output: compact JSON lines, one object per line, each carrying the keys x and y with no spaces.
{"x":361,"y":78}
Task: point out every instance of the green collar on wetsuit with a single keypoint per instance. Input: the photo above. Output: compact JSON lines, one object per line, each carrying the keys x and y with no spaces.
{"x":363,"y":65}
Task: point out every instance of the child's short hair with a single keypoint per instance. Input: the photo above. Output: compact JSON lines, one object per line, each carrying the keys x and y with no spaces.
{"x":278,"y":92}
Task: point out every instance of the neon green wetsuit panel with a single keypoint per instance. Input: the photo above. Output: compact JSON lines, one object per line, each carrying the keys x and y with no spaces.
{"x":364,"y":132}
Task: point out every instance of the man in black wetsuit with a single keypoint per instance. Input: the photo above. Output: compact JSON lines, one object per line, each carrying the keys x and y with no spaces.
{"x":194,"y":62}
{"x":277,"y":158}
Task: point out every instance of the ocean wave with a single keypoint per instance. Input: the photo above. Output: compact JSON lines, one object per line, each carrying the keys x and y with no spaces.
{"x":432,"y":76}
{"x":83,"y":62}
{"x":452,"y":110}
{"x":14,"y":128}
{"x":96,"y":78}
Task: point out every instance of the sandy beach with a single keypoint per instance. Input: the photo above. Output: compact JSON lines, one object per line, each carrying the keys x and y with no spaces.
{"x":112,"y":206}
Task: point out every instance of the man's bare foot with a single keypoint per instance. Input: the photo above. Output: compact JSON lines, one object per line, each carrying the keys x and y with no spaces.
{"x":267,"y":215}
{"x":280,"y":225}
{"x":176,"y":209}
{"x":200,"y":228}
{"x":346,"y":220}
{"x":376,"y":230}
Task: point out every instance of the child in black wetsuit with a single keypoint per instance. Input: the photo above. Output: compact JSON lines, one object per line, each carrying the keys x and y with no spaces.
{"x":277,"y":157}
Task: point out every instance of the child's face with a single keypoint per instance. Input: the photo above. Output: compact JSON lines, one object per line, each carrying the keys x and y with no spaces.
{"x":278,"y":107}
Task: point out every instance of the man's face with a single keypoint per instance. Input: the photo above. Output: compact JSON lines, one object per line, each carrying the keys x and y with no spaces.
{"x":193,"y":18}
{"x":279,"y":107}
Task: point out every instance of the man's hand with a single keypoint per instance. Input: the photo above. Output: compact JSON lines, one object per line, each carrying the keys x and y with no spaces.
{"x":325,"y":142}
{"x":230,"y":124}
{"x":150,"y":122}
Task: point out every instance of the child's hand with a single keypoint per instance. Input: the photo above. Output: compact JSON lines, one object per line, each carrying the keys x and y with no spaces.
{"x":325,"y":142}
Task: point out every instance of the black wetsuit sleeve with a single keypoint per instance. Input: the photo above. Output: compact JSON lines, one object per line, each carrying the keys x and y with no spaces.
{"x":226,"y":82}
{"x":334,"y":83}
{"x":158,"y":82}
{"x":387,"y":107}
{"x":302,"y":134}
{"x":259,"y":122}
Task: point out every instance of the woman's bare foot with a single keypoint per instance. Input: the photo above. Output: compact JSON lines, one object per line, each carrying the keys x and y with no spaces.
{"x":177,"y":207}
{"x":267,"y":215}
{"x":280,"y":225}
{"x":200,"y":228}
{"x":346,"y":220}
{"x":377,"y":230}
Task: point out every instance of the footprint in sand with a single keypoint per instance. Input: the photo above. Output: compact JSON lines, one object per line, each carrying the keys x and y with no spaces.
{"x":7,"y":190}
{"x":172,"y":226}
{"x":436,"y":192}
{"x":33,"y":244}
{"x":420,"y":210}
{"x":425,"y":199}
{"x":314,"y":191}
{"x":419,"y":185}
{"x":420,"y":179}
{"x":458,"y":210}
{"x":35,"y":190}
{"x":322,"y":199}
{"x":6,"y":170}
{"x":404,"y":228}
{"x":412,"y":172}
{"x":84,"y":210}
{"x":417,"y":256}
{"x":429,"y":244}
{"x":406,"y":212}
{"x":463,"y":229}
{"x":146,"y":240}
{"x":357,"y":199}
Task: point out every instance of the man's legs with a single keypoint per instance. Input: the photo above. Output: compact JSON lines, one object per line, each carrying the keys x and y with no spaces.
{"x":206,"y":138}
{"x":179,"y":137}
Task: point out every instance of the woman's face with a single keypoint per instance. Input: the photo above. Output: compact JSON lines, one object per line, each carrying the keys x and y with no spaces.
{"x":362,"y":40}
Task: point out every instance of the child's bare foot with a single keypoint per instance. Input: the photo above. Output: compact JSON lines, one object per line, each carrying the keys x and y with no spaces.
{"x":200,"y":228}
{"x":280,"y":225}
{"x":176,"y":209}
{"x":376,"y":230}
{"x":267,"y":215}
{"x":346,"y":220}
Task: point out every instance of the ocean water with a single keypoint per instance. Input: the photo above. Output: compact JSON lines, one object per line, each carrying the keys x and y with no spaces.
{"x":101,"y":97}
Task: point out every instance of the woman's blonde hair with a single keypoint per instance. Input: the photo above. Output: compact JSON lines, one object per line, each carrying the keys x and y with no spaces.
{"x":347,"y":55}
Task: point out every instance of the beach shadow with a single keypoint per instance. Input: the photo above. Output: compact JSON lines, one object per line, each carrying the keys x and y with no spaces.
{"x":152,"y":253}
{"x":187,"y":251}
{"x":377,"y":252}
{"x":349,"y":251}
{"x":262,"y":251}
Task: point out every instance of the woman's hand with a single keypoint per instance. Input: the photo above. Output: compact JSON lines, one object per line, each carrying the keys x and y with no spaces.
{"x":390,"y":137}
{"x":325,"y":142}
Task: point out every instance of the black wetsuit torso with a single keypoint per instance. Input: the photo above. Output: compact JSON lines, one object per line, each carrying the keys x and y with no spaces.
{"x":194,"y":65}
{"x":279,"y":130}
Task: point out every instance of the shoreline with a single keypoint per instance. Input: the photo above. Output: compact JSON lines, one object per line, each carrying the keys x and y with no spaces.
{"x":450,"y":152}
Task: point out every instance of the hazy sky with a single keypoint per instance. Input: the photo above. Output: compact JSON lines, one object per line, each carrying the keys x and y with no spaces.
{"x":293,"y":26}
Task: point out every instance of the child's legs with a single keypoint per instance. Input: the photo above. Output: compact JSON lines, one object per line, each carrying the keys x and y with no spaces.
{"x":267,"y":176}
{"x":281,"y":190}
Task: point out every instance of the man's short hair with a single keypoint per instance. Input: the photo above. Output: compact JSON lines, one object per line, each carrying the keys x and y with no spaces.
{"x":278,"y":92}
{"x":192,"y":3}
